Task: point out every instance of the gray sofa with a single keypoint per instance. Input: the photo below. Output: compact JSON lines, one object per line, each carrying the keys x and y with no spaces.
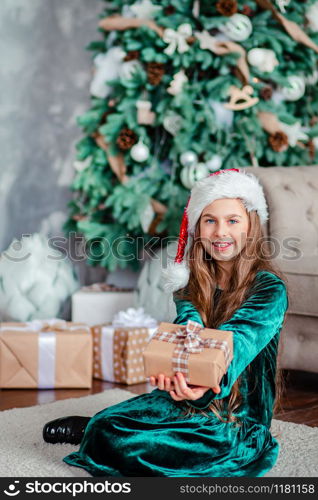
{"x":292,"y":197}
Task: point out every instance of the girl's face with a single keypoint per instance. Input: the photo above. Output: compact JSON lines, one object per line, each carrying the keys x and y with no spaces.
{"x":224,"y":226}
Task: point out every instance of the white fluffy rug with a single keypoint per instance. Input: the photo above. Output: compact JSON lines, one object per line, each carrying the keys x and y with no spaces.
{"x":24,"y":453}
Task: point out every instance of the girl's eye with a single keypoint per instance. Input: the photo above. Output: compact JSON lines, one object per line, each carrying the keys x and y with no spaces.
{"x":231,"y":220}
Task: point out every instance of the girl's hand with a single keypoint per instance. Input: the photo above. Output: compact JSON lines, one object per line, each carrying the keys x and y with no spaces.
{"x":181,"y":389}
{"x":164,"y":383}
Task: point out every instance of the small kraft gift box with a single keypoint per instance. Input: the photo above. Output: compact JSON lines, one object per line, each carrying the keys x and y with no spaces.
{"x":201,"y":354}
{"x":45,"y":354}
{"x":118,"y":346}
{"x":98,"y":303}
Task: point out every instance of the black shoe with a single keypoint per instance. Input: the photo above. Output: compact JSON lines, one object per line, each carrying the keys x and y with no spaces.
{"x":65,"y":430}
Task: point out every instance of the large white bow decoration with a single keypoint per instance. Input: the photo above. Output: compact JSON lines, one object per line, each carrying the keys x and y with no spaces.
{"x":134,"y":318}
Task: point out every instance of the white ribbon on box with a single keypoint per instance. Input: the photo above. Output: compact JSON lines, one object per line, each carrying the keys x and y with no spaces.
{"x":132,"y":317}
{"x":46,"y":346}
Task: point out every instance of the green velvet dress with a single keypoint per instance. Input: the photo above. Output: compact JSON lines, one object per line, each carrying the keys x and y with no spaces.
{"x":149,"y":434}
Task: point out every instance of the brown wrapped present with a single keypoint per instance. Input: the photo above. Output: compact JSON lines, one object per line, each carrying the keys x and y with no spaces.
{"x":201,"y":354}
{"x":118,"y":352}
{"x":45,"y":354}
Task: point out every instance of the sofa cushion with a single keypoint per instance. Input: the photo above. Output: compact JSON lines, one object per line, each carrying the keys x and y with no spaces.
{"x":298,"y":343}
{"x":303,"y":294}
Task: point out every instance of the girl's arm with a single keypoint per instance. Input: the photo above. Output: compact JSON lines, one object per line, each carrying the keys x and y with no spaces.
{"x":185,"y":311}
{"x":253,"y":325}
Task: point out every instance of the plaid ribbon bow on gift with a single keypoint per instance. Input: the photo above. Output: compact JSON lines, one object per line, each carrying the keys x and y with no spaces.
{"x":189,"y":341}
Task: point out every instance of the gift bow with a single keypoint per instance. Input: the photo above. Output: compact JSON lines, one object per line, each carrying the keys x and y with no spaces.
{"x":134,"y":318}
{"x":46,"y":325}
{"x":177,"y":39}
{"x":190,"y":337}
{"x":193,"y":342}
{"x":41,"y":325}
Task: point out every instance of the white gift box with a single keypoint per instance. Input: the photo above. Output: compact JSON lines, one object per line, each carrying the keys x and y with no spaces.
{"x":98,"y":303}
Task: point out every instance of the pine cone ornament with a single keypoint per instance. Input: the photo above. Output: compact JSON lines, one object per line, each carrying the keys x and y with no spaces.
{"x":202,"y":74}
{"x":226,"y":7}
{"x":131,"y":55}
{"x":126,"y":139}
{"x":278,"y":141}
{"x":170,"y":9}
{"x":155,"y":72}
{"x":247,"y":11}
{"x":266,"y":93}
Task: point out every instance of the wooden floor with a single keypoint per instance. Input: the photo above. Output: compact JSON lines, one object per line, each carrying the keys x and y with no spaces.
{"x":299,"y":403}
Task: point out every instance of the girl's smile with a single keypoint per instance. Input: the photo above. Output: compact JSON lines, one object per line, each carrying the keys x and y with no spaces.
{"x":221,"y":247}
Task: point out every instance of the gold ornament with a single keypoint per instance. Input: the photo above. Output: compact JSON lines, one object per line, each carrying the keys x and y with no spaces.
{"x":209,"y":42}
{"x":176,"y":84}
{"x":116,"y":163}
{"x":118,"y":22}
{"x":241,"y":98}
{"x":144,"y":114}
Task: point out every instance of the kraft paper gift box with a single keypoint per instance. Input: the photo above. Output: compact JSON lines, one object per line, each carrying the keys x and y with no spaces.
{"x":201,"y":354}
{"x":98,"y":303}
{"x":45,"y":354}
{"x":118,"y":347}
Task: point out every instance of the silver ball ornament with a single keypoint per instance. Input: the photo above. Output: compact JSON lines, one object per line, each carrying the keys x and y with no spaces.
{"x":296,"y":88}
{"x":193,"y":173}
{"x":188,"y":158}
{"x":139,"y":152}
{"x":214,"y":163}
{"x":237,"y":28}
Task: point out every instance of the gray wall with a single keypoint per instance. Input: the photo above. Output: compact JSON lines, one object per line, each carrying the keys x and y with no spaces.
{"x":45,"y":73}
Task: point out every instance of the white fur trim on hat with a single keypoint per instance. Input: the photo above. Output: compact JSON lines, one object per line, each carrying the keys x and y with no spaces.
{"x":228,"y":184}
{"x":175,"y":276}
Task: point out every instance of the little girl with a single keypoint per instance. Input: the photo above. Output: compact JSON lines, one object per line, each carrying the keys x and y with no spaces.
{"x":222,"y":277}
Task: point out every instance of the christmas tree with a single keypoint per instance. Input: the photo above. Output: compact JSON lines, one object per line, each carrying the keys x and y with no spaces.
{"x":181,"y":88}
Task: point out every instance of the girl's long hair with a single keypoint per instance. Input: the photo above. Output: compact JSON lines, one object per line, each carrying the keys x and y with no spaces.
{"x":255,"y":256}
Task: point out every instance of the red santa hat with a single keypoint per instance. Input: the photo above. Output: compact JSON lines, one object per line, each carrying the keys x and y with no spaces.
{"x":230,"y":183}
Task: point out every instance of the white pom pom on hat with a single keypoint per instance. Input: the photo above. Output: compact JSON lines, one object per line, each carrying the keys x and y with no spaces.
{"x":230,"y":183}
